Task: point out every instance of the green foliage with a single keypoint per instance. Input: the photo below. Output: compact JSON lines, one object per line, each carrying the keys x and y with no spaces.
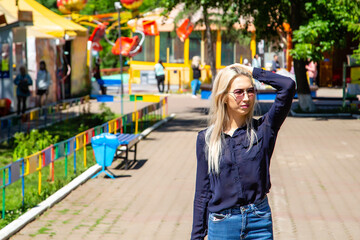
{"x":98,"y":6}
{"x":91,"y":120}
{"x":327,"y":28}
{"x":27,"y":144}
{"x":50,"y":4}
{"x":106,"y":113}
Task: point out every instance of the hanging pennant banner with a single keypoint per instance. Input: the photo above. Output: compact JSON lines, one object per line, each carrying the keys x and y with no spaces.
{"x":89,"y":135}
{"x":97,"y":130}
{"x":15,"y":171}
{"x":79,"y":141}
{"x":71,"y":146}
{"x":60,"y":150}
{"x":47,"y":154}
{"x":32,"y":164}
{"x":129,"y":118}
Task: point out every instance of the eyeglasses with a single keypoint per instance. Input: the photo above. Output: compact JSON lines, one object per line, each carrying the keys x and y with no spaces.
{"x":239,"y":94}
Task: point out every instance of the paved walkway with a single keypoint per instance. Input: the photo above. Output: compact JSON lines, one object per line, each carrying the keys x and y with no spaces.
{"x":315,"y":191}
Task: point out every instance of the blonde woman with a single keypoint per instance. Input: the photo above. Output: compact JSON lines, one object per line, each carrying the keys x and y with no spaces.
{"x":233,"y":156}
{"x":195,"y":83}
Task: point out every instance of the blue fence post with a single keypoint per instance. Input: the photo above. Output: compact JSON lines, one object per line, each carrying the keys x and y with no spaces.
{"x":66,"y":158}
{"x":3,"y":196}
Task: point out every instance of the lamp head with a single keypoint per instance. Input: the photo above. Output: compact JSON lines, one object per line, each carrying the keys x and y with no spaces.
{"x":117,"y":5}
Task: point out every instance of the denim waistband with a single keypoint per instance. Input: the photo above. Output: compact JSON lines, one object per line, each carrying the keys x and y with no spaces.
{"x":246,"y":208}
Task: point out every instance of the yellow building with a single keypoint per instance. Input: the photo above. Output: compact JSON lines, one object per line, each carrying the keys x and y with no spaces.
{"x":46,"y":37}
{"x":177,"y":55}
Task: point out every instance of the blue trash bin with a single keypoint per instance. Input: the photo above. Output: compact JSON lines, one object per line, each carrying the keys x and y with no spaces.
{"x":104,"y":146}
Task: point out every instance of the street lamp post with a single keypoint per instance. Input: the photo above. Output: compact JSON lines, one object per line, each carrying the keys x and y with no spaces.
{"x":118,"y":7}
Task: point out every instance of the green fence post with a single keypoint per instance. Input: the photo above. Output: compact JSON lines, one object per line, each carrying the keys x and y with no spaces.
{"x":66,"y":159}
{"x":124,"y":124}
{"x":3,"y":196}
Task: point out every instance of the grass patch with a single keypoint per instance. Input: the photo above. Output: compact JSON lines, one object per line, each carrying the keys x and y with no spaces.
{"x":64,"y":211}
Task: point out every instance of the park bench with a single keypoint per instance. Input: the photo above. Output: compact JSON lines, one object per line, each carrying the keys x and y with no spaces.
{"x":112,"y":83}
{"x":127,"y":143}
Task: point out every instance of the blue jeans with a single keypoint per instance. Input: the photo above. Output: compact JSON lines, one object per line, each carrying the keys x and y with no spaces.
{"x":195,"y":86}
{"x":247,"y":222}
{"x":311,"y":81}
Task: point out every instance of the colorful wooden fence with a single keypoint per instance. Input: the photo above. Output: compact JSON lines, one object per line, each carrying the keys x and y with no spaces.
{"x":46,"y":115}
{"x":36,"y":162}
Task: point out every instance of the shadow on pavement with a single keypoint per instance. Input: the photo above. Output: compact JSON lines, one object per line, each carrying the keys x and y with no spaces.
{"x":132,"y":165}
{"x":260,"y":109}
{"x":117,"y":176}
{"x":184,"y":125}
{"x":202,"y":110}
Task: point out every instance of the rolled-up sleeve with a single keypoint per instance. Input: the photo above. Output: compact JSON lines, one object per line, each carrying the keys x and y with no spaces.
{"x":285,"y":87}
{"x":202,"y":191}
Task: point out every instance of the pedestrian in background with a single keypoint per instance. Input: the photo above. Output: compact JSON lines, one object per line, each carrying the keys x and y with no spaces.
{"x":311,"y":71}
{"x":233,"y":156}
{"x":97,"y":76}
{"x":43,"y":82}
{"x":23,"y":81}
{"x":275,"y":65}
{"x":160,"y":76}
{"x":256,"y":62}
{"x":196,"y":83}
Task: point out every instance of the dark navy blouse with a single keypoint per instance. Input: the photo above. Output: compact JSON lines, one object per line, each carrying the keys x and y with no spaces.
{"x":244,"y":176}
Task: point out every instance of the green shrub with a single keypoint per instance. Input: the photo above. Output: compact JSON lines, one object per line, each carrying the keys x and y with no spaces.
{"x":27,"y":144}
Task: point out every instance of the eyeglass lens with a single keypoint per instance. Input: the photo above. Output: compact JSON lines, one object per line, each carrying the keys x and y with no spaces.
{"x":240,"y":93}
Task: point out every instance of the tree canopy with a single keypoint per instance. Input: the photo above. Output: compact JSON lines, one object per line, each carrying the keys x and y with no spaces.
{"x":328,"y":27}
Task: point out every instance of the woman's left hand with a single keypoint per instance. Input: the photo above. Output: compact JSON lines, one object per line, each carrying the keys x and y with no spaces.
{"x":248,"y":68}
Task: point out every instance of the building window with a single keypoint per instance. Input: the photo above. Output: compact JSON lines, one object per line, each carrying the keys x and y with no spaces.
{"x":147,"y":54}
{"x":228,"y":52}
{"x":243,"y":52}
{"x":194,"y":44}
{"x":176,"y":48}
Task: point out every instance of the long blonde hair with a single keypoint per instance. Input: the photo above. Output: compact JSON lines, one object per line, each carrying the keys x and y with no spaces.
{"x":218,"y":116}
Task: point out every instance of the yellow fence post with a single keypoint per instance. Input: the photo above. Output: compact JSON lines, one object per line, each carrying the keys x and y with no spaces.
{"x":39,"y":185}
{"x":136,"y":122}
{"x":163,"y":107}
{"x":85,"y":149}
{"x":180,"y":90}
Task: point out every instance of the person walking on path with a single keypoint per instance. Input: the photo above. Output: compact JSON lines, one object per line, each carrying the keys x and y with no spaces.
{"x":275,"y":65}
{"x":43,"y":82}
{"x":196,"y":83}
{"x":311,"y":71}
{"x":97,"y":76}
{"x":160,"y":76}
{"x":233,"y":156}
{"x":23,"y":81}
{"x":256,"y":62}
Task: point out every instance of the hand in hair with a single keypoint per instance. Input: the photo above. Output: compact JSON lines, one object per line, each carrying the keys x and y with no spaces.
{"x":247,"y":68}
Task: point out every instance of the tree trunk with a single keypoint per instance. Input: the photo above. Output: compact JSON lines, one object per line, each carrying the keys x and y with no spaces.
{"x":209,"y":44}
{"x":305,"y":100}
